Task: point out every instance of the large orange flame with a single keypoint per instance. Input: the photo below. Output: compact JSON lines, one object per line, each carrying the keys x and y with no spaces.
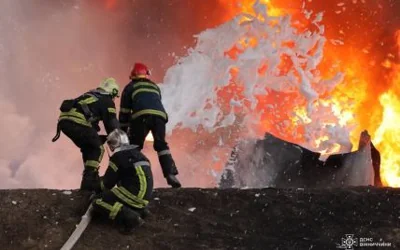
{"x":357,"y":102}
{"x":246,"y":6}
{"x":387,"y":135}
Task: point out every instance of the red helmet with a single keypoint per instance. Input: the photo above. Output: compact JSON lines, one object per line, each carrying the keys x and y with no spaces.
{"x":139,"y":69}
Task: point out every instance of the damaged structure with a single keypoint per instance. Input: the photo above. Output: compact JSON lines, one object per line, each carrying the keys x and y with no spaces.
{"x":272,"y":162}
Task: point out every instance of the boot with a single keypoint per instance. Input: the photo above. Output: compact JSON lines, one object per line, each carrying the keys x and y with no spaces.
{"x":169,"y":170}
{"x":173,"y":181}
{"x":90,"y":180}
{"x":128,"y":220}
{"x":145,"y":213}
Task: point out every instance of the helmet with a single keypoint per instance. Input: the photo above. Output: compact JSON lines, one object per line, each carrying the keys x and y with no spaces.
{"x":139,"y":69}
{"x":110,"y":86}
{"x":117,"y":138}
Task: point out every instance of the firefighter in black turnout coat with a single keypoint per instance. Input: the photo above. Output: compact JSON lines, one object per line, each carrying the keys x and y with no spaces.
{"x":130,"y":170}
{"x":142,"y":111}
{"x":79,"y":121}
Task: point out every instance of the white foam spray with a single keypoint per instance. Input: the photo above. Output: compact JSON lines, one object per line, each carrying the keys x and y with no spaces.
{"x":190,"y":88}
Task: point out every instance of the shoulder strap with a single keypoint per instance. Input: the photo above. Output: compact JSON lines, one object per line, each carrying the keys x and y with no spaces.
{"x":85,"y":105}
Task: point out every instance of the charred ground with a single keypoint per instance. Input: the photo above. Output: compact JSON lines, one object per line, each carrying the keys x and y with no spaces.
{"x":222,"y":219}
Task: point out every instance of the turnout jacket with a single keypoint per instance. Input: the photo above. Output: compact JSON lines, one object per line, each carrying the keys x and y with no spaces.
{"x":130,"y":170}
{"x":89,"y":108}
{"x":140,"y":97}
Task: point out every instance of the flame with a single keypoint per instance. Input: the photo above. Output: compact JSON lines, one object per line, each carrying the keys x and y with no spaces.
{"x":387,"y":136}
{"x":357,"y":102}
{"x":246,"y":6}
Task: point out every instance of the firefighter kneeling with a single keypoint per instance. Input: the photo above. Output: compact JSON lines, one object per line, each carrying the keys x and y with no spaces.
{"x":126,"y":203}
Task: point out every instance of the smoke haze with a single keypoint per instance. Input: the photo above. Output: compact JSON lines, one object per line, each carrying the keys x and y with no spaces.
{"x":52,"y":50}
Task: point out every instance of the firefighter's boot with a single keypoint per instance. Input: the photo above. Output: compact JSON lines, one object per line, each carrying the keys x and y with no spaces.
{"x":145,"y":213}
{"x":128,"y":220}
{"x":169,"y":170}
{"x":173,"y":181}
{"x":90,"y":180}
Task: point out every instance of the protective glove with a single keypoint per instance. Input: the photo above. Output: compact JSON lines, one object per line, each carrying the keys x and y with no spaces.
{"x":98,"y":186}
{"x":103,"y":138}
{"x":125,"y":128}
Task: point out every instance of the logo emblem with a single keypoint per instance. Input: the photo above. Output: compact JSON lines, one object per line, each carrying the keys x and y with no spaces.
{"x":348,"y":242}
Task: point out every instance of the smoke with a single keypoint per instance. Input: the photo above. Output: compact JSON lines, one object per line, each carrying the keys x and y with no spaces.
{"x":51,"y":50}
{"x":43,"y":60}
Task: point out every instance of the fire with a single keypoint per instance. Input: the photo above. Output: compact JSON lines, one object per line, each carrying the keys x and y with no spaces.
{"x":246,"y":6}
{"x":358,"y":102}
{"x":387,"y":137}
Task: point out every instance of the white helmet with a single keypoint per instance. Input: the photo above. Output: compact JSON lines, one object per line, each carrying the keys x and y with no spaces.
{"x":110,"y":86}
{"x":117,"y":138}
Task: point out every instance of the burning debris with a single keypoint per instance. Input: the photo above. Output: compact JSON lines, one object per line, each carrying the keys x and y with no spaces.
{"x":273,"y":162}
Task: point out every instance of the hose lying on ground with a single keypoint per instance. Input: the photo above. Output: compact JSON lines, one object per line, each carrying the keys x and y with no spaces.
{"x":69,"y":244}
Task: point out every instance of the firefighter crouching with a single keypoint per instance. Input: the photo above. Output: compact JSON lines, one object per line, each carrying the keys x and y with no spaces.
{"x":79,"y":121}
{"x":126,"y":203}
{"x":142,"y":111}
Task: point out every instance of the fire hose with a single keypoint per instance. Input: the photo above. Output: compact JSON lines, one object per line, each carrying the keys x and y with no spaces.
{"x":86,"y":218}
{"x":69,"y":244}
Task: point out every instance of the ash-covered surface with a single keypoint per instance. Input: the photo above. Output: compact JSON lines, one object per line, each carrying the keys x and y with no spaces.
{"x":209,"y":219}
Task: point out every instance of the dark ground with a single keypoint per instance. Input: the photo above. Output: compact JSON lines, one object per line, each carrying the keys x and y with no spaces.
{"x":223,"y":219}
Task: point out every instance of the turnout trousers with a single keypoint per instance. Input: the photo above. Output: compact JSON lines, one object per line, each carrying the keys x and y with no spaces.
{"x":124,"y":207}
{"x":140,"y":128}
{"x":90,"y":144}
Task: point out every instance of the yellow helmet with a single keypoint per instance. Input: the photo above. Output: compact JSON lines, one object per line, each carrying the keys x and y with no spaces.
{"x":110,"y":86}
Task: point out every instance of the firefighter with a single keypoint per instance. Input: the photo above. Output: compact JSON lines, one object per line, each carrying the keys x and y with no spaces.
{"x":142,"y":111}
{"x":126,"y":203}
{"x":79,"y":121}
